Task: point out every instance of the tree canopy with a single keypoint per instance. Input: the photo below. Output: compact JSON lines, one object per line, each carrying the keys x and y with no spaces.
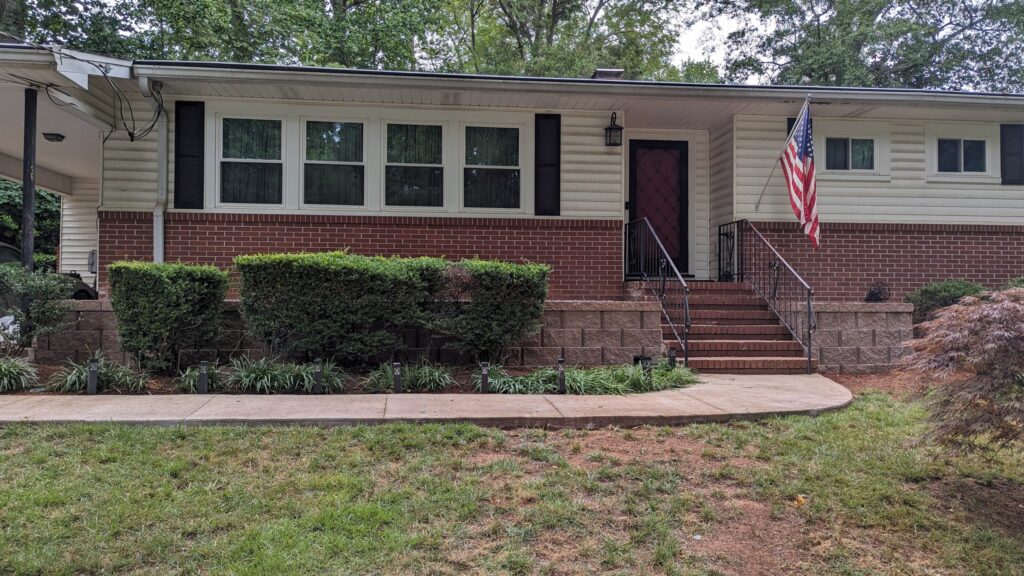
{"x":953,"y":44}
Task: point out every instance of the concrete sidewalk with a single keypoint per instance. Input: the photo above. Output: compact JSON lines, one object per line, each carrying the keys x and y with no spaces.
{"x":718,"y":397}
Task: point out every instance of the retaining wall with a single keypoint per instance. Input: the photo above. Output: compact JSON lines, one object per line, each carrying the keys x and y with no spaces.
{"x":861,"y":336}
{"x":585,"y":333}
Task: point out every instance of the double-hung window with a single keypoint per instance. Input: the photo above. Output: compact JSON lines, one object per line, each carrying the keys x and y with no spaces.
{"x":251,"y":164}
{"x":491,"y":171}
{"x":333,"y":171}
{"x":957,"y":155}
{"x":849,"y":154}
{"x":414,"y":165}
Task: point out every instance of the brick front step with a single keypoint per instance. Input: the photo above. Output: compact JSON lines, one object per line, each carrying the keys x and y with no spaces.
{"x":704,"y":285}
{"x":739,"y":331}
{"x":703,"y":300}
{"x":744,"y":348}
{"x":763,"y":364}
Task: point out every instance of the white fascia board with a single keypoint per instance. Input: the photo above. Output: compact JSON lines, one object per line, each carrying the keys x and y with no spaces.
{"x":610,"y":88}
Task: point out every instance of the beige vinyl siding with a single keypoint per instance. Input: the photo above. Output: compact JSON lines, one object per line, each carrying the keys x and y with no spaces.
{"x":591,"y":173}
{"x":129,"y":168}
{"x":720,"y":190}
{"x":78,"y":233}
{"x":592,"y":176}
{"x":906,"y":194}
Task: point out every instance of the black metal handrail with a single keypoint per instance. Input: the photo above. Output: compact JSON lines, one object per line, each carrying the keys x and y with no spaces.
{"x":647,"y":259}
{"x":745,"y":255}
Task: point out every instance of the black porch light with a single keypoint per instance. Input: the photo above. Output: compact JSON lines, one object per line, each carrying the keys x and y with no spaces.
{"x":613,"y":133}
{"x":53,"y":136}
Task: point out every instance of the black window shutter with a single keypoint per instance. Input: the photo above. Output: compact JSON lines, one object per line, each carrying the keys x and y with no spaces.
{"x":189,"y":147}
{"x":789,"y":125}
{"x":547,"y":182}
{"x":1011,"y":153}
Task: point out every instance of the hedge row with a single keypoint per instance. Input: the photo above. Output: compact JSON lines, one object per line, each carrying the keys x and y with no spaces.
{"x":351,"y":308}
{"x":164,"y":308}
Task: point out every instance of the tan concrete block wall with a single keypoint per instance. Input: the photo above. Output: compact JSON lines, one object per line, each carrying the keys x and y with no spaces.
{"x":861,"y":336}
{"x":585,"y":333}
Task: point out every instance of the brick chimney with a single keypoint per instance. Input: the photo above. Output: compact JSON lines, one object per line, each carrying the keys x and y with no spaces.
{"x":608,"y":74}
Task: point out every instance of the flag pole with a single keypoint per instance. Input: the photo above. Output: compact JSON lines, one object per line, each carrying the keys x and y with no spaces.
{"x":775,"y":165}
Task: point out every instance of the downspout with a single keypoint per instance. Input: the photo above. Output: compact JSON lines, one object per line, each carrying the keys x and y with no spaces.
{"x":149,"y":89}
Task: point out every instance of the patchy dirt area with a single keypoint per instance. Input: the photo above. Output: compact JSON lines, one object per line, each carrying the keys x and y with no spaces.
{"x":903,"y":384}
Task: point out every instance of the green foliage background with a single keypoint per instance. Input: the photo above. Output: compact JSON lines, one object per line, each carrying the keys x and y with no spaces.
{"x":47,"y":231}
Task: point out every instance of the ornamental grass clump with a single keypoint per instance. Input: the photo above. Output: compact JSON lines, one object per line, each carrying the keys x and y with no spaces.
{"x":976,"y":348}
{"x":164,"y":308}
{"x":16,"y":374}
{"x":423,"y":377}
{"x":271,"y":376}
{"x":216,"y":379}
{"x":110,"y":377}
{"x":599,"y":380}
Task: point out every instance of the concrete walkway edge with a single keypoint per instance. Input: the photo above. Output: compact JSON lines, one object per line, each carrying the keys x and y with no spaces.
{"x":717,"y":398}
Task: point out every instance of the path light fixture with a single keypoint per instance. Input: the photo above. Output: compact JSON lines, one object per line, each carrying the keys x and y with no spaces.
{"x":204,"y":378}
{"x":672,"y":357}
{"x":93,"y":376}
{"x":318,"y":376}
{"x":613,"y":133}
{"x":485,"y":385}
{"x":396,"y":369}
{"x":561,"y":376}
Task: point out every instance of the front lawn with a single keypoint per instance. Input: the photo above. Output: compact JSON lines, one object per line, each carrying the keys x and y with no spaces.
{"x":846,"y":493}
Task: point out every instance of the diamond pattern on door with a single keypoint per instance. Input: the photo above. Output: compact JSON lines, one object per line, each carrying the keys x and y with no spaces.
{"x":658,"y":194}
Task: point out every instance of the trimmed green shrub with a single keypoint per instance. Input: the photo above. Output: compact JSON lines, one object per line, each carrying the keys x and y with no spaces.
{"x":334,"y":304}
{"x":163,"y":308}
{"x":110,"y":377}
{"x":501,"y":303}
{"x":937,"y":295}
{"x":46,"y":314}
{"x":415,"y":378}
{"x":16,"y":374}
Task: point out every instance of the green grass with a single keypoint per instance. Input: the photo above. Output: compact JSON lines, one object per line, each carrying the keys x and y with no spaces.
{"x":455,"y":499}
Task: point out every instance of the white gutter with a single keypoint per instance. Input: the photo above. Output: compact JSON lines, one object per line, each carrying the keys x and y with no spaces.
{"x":147,"y":88}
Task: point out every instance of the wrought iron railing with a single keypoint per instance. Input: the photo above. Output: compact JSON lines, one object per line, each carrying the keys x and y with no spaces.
{"x":647,"y":260}
{"x":744,"y":255}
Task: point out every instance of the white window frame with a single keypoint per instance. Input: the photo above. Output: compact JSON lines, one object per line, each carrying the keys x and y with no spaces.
{"x":374,"y":118}
{"x":463,"y":165}
{"x":444,"y":165}
{"x":303,"y":121}
{"x":849,"y":155}
{"x":989,"y":132}
{"x":219,"y":159}
{"x":878,"y":132}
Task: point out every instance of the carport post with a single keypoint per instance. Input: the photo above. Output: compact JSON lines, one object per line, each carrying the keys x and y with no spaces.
{"x":28,"y":181}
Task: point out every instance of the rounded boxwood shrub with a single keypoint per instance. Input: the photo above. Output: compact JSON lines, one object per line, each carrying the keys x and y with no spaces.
{"x":937,"y":295}
{"x":335,"y":304}
{"x":164,"y":308}
{"x":500,"y":304}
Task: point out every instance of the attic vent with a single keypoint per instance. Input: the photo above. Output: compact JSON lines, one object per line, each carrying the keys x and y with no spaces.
{"x":608,"y":74}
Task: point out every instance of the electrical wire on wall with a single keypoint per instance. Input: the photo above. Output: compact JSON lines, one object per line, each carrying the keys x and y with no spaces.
{"x":122,"y":102}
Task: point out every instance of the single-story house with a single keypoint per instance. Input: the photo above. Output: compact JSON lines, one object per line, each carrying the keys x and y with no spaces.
{"x":201,"y":161}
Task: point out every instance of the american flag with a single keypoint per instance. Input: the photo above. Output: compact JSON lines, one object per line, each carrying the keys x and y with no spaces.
{"x":798,"y":168}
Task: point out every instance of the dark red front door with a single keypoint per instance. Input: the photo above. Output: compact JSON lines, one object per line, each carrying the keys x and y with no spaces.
{"x":658,"y":191}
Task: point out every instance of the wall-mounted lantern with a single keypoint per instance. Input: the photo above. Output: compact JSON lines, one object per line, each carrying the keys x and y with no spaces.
{"x":613,"y":133}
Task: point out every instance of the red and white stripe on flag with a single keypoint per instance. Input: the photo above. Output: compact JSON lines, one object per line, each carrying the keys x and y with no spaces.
{"x":798,"y":168}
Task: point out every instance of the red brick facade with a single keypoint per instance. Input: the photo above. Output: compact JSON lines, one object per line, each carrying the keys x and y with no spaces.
{"x":905,"y":256}
{"x":586,"y":255}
